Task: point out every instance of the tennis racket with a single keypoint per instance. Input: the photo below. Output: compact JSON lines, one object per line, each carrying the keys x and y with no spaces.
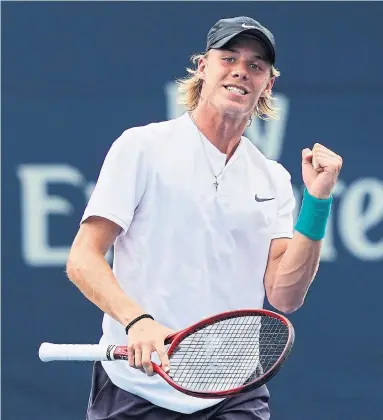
{"x":218,"y":357}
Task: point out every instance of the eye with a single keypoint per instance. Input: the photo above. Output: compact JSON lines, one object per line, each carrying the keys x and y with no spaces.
{"x":255,"y":66}
{"x":229,"y":59}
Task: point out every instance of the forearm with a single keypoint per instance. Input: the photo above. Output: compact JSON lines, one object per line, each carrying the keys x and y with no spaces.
{"x":295,"y":271}
{"x":291,"y":274}
{"x":91,"y":273}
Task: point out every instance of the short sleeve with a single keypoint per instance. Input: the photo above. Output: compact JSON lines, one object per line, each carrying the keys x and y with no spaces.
{"x":284,"y":223}
{"x":121,"y":182}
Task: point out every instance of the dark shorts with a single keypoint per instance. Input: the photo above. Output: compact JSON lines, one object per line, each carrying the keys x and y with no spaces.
{"x":108,"y":402}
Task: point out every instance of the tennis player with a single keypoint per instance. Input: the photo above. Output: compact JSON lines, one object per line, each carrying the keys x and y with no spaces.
{"x":201,"y":223}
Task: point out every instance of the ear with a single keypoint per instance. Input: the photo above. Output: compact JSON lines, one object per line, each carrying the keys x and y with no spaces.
{"x":202,"y":64}
{"x":269,"y":86}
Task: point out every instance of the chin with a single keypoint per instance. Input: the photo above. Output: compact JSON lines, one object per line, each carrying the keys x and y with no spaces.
{"x":234,"y":108}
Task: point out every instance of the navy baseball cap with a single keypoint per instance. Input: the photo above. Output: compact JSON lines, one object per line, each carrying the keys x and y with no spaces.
{"x":226,"y":29}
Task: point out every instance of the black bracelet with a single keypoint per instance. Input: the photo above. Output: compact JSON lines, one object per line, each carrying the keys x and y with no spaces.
{"x":137,"y":319}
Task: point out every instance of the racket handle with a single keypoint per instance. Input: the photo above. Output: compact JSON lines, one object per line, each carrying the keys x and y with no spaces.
{"x":79,"y":352}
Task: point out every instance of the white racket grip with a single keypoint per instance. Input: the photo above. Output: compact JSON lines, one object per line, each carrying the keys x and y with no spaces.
{"x":79,"y":352}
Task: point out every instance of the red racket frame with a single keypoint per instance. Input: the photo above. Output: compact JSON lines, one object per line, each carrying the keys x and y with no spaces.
{"x":120,"y":352}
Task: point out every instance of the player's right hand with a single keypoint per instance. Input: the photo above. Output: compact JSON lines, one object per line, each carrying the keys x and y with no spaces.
{"x":145,"y":337}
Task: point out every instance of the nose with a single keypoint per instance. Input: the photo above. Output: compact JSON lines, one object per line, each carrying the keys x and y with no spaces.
{"x":240,"y":72}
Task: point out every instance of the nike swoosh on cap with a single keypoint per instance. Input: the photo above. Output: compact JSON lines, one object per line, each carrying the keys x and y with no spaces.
{"x":248,"y":26}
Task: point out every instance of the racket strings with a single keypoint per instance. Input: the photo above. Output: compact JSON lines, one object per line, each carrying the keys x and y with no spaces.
{"x":229,"y":353}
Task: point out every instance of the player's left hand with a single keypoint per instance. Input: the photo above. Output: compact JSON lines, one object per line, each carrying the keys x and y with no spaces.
{"x":320,"y":170}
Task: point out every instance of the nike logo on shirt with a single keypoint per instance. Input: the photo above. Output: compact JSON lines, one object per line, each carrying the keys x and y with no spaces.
{"x":261,"y":200}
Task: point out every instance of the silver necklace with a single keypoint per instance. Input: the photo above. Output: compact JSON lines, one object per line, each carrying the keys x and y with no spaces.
{"x":215,"y":183}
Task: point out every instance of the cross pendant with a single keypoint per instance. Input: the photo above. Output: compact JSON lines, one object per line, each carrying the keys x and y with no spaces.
{"x":216,"y":185}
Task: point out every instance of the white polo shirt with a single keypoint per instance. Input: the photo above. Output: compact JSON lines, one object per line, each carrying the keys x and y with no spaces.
{"x":186,"y":250}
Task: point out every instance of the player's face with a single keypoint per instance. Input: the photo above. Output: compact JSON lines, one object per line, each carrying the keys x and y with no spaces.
{"x":236,"y":77}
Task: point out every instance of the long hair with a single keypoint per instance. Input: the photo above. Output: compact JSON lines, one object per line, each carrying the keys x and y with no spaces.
{"x":190,"y":87}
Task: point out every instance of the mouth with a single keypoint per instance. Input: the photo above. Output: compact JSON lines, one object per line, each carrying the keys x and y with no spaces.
{"x":236,"y":89}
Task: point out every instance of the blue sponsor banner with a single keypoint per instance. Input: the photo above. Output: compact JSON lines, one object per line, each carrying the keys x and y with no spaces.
{"x":76,"y":75}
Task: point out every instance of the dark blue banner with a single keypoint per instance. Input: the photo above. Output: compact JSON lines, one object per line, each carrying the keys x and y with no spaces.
{"x":76,"y":75}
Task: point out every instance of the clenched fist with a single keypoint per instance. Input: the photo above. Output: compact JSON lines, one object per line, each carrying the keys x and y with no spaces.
{"x":320,"y":170}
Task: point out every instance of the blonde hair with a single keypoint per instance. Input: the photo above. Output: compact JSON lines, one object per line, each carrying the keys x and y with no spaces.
{"x":190,"y":87}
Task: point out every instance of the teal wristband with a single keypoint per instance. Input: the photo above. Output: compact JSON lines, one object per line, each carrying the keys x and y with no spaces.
{"x":312,"y":219}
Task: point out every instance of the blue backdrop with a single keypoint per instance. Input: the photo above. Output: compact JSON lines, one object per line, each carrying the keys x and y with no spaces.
{"x":75,"y":75}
